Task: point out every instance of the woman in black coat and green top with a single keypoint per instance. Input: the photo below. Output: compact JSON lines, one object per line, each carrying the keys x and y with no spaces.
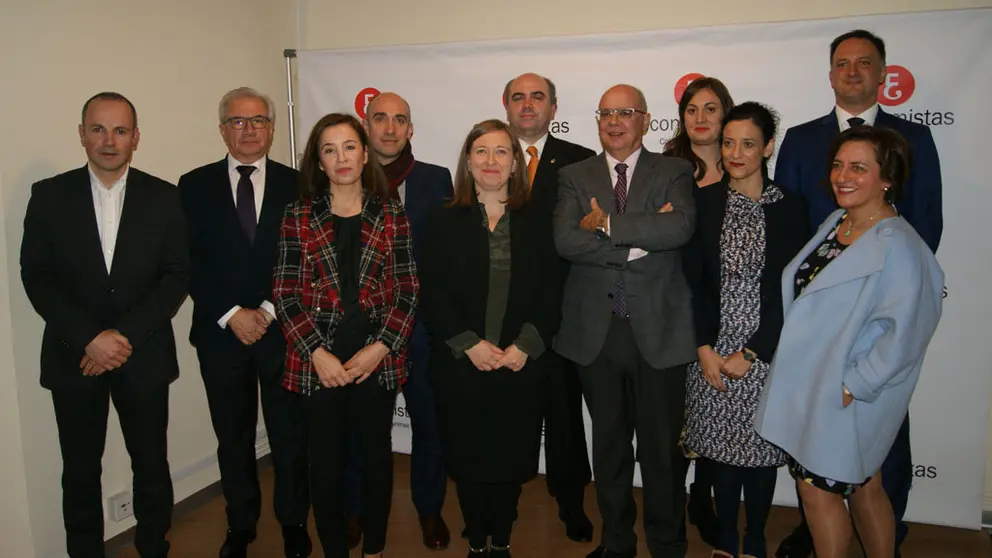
{"x":492,"y":304}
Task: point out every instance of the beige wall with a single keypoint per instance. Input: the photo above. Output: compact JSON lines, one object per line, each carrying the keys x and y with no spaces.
{"x":174,"y":60}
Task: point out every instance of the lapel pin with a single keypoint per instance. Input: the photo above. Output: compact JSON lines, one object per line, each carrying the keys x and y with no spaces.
{"x":552,"y":161}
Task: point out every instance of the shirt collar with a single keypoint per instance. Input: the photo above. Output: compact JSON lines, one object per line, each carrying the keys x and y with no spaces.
{"x":233,"y":164}
{"x":631,"y":159}
{"x":118,"y":184}
{"x":868,"y":116}
{"x":539,"y":144}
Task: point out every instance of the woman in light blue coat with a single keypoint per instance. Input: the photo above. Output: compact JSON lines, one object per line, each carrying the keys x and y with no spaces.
{"x":862,"y":301}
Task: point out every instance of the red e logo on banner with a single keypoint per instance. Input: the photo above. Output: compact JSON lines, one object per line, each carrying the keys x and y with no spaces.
{"x":362,"y":100}
{"x":682,"y":83}
{"x":898,"y":86}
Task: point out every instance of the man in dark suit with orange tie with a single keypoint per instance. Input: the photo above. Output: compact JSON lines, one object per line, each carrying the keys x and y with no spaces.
{"x":857,"y":69}
{"x":531,"y":102}
{"x":105,"y":262}
{"x":234,"y":208}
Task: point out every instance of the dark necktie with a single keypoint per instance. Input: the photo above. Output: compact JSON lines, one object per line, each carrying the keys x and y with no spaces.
{"x":854,"y":121}
{"x":246,"y":202}
{"x":620,"y":198}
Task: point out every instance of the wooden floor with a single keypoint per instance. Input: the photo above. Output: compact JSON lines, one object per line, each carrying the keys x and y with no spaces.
{"x":537,"y":533}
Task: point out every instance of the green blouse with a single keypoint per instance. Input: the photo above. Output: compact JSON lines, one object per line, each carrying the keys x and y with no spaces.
{"x":529,"y":340}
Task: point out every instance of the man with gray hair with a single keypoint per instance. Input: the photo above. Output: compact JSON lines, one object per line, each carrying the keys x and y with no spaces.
{"x":234,"y":209}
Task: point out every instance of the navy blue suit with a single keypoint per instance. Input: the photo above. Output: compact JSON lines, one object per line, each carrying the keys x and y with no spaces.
{"x":427,"y":187}
{"x":803,"y":168}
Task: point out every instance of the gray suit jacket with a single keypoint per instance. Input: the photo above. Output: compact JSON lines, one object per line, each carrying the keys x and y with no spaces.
{"x":658,"y":296}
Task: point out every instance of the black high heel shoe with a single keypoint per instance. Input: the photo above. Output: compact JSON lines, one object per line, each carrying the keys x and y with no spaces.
{"x":499,"y":551}
{"x":478,"y":552}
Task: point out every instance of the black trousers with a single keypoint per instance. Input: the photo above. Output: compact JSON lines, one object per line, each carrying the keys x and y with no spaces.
{"x":626,"y":395}
{"x":758,"y":487}
{"x":366,"y":411}
{"x":233,"y":374}
{"x":81,"y":415}
{"x":566,"y":455}
{"x":489,"y":510}
{"x":428,"y":479}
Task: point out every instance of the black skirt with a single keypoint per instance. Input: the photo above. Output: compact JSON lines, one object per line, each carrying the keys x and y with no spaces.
{"x":489,"y":422}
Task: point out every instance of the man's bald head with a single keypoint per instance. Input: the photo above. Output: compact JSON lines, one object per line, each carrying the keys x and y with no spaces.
{"x":388,"y":123}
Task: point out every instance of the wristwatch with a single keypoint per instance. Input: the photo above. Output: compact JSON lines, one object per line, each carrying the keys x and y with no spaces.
{"x":601,"y":228}
{"x":749,"y":355}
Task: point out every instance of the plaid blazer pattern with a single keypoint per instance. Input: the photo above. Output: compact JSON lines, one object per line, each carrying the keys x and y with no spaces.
{"x":306,"y":288}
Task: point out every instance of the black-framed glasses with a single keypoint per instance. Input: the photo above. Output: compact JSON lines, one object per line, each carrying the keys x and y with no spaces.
{"x":258,"y":122}
{"x":622,"y":113}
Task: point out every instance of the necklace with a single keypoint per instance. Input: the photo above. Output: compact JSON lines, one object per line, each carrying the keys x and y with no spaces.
{"x":850,"y":222}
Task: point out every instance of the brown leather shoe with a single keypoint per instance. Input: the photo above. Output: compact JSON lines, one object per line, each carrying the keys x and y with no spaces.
{"x":354,"y":531}
{"x":435,"y":531}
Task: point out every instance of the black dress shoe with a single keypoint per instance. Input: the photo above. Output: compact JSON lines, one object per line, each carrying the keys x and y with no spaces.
{"x":478,"y":552}
{"x":296,"y":541}
{"x":603,"y":552}
{"x":700,"y":513}
{"x":236,"y":543}
{"x":577,"y":524}
{"x":434,"y":532}
{"x":499,"y":551}
{"x":354,"y":531}
{"x":799,"y":544}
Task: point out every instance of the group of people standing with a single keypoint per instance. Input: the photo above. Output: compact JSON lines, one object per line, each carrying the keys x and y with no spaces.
{"x":682,"y":294}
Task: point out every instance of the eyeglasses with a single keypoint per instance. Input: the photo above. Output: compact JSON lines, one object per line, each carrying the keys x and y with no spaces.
{"x":258,"y":122}
{"x":622,"y":113}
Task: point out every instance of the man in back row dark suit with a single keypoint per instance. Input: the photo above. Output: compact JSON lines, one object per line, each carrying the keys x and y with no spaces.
{"x":857,"y":70}
{"x":421,"y":187}
{"x":105,"y":262}
{"x":531,"y":102}
{"x":234,"y":209}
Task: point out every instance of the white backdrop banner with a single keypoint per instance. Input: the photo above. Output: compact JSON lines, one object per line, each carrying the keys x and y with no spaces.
{"x":940,"y":74}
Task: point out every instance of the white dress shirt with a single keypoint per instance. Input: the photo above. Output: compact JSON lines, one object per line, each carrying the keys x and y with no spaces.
{"x":868,"y":116}
{"x":258,"y":185}
{"x":108,"y":203}
{"x":631,"y":162}
{"x":401,"y":190}
{"x":539,"y":144}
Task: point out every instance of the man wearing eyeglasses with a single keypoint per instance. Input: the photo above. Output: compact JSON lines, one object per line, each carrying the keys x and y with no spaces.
{"x":621,"y":220}
{"x":234,"y":209}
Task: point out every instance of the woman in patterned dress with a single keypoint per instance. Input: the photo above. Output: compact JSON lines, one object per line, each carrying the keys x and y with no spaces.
{"x":747,"y":230}
{"x":862,"y":300}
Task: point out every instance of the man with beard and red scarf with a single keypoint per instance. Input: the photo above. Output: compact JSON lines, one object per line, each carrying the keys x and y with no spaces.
{"x":421,"y":187}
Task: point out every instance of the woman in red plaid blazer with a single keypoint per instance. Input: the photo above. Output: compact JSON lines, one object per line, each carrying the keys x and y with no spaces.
{"x":345,"y":289}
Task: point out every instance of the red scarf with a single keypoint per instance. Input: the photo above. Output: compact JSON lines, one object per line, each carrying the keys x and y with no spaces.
{"x":398,"y":170}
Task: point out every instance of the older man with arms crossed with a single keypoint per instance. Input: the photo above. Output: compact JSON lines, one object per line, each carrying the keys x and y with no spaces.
{"x":621,"y":220}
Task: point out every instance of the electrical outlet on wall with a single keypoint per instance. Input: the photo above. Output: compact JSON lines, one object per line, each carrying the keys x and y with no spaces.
{"x":120,"y":506}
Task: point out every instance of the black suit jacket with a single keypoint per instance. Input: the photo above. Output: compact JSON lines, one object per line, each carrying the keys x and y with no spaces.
{"x":427,"y":188}
{"x":67,"y":282}
{"x":455,"y":274}
{"x":227,"y":270}
{"x":557,"y":154}
{"x":786,"y":232}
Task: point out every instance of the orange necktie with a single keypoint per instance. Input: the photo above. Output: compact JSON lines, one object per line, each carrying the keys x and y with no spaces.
{"x":531,"y":165}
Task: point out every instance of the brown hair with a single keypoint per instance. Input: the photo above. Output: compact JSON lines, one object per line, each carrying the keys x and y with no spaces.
{"x":892,"y":153}
{"x":517,"y":191}
{"x":314,"y":183}
{"x":680,"y":145}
